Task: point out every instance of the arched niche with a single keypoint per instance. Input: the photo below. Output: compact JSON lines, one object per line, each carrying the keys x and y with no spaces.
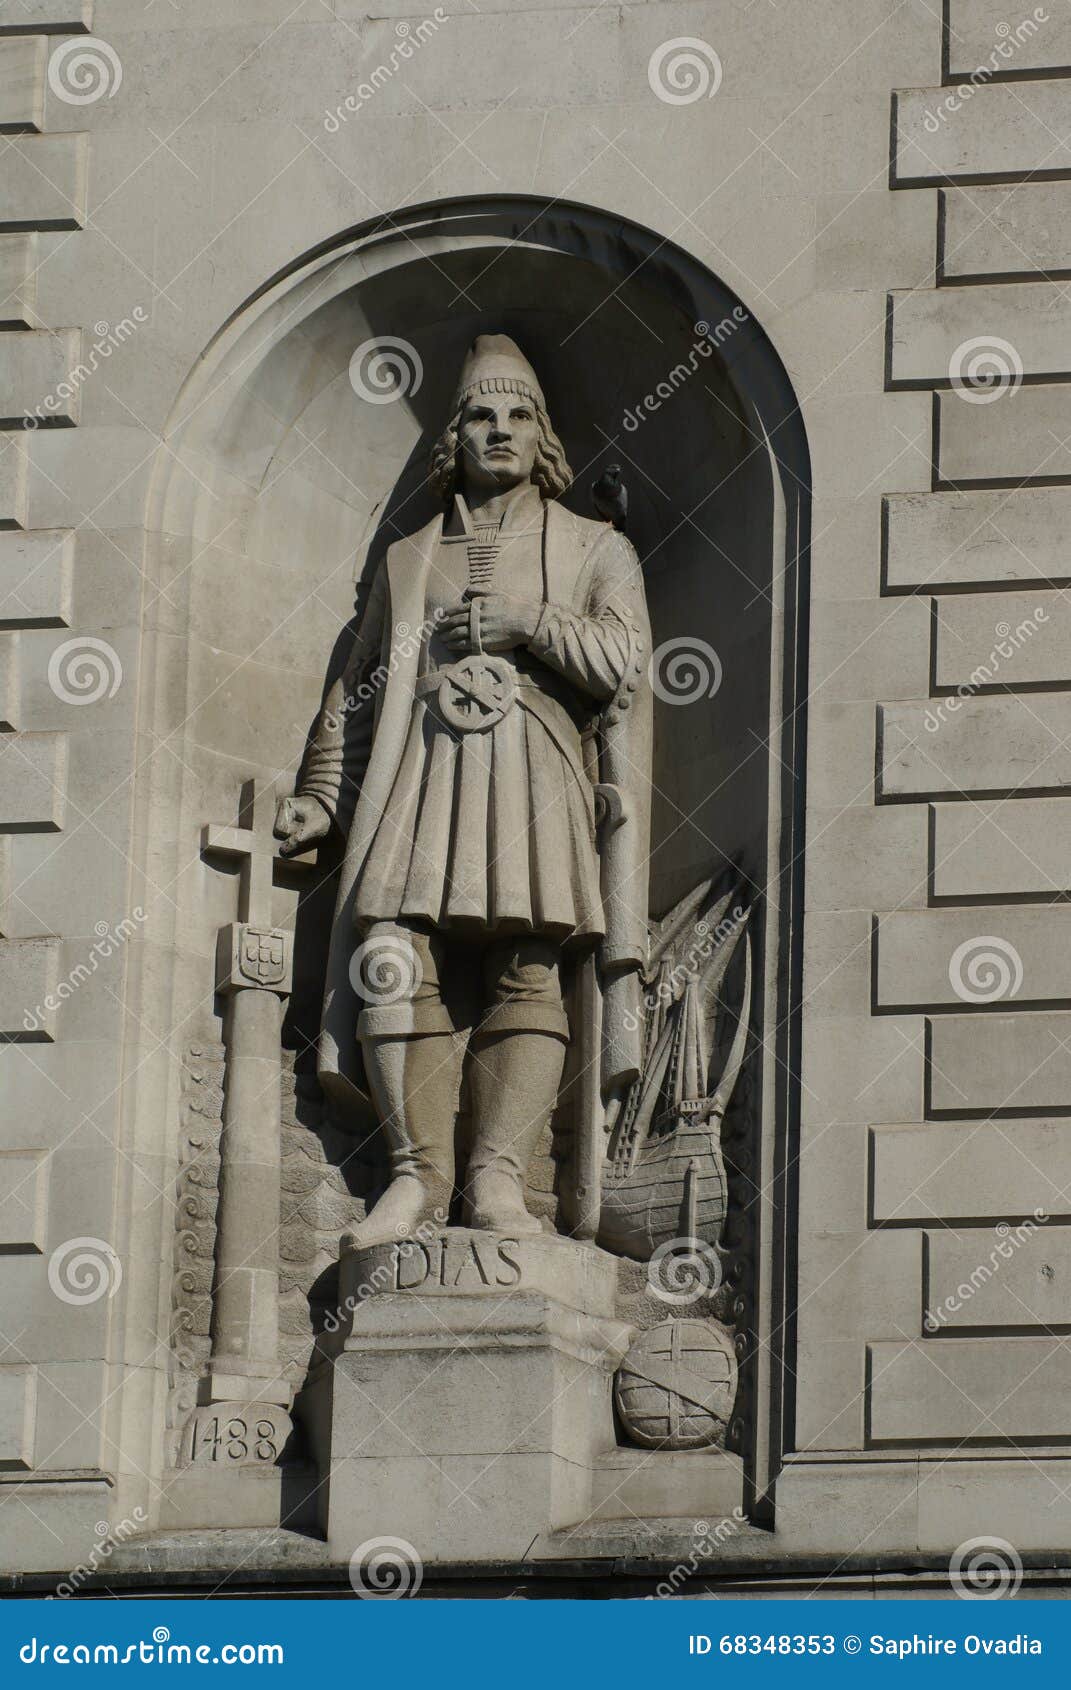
{"x":279,"y":486}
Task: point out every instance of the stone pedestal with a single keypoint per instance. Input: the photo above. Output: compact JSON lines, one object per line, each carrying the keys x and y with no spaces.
{"x":235,"y":1458}
{"x":471,"y":1399}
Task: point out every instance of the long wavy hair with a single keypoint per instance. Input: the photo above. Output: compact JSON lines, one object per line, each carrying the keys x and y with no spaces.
{"x":550,"y":472}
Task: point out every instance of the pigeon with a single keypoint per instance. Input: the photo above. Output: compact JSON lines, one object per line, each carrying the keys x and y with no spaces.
{"x":610,"y":496}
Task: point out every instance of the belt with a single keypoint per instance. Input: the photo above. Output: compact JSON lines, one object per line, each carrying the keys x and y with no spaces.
{"x":473,"y":694}
{"x":518,"y":679}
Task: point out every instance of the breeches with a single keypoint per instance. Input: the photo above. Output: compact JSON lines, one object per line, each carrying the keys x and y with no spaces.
{"x":413,"y":981}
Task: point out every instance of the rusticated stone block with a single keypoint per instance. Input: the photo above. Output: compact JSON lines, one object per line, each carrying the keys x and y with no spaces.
{"x":1018,"y":845}
{"x":1016,"y":956}
{"x":1001,"y":231}
{"x":1008,"y":1063}
{"x":975,"y":745}
{"x":1014,"y":1276}
{"x":991,"y":640}
{"x":33,"y":777}
{"x":1022,"y":435}
{"x":23,"y":1199}
{"x":28,"y":977}
{"x":977,"y":538}
{"x":47,"y":17}
{"x":930,"y":328}
{"x":985,"y":34}
{"x":18,"y":280}
{"x":999,"y":133}
{"x":36,"y":570}
{"x":969,"y":1170}
{"x":18,"y":1413}
{"x":39,"y":375}
{"x":986,"y":1389}
{"x":22,"y":81}
{"x":43,"y":183}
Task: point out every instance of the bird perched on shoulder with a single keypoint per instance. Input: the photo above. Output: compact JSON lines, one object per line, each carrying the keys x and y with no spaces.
{"x":610,"y":496}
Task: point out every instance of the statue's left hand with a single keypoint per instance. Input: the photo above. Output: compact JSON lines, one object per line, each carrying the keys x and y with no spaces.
{"x":300,"y":823}
{"x":503,"y":623}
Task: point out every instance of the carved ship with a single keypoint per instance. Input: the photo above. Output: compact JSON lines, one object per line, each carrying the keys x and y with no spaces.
{"x":665,"y":1176}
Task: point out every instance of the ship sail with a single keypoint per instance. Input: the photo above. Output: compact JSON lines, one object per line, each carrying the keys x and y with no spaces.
{"x":665,"y":1176}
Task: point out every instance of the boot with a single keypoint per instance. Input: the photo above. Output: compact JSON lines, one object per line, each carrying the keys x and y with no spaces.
{"x":414,"y":1084}
{"x":514,"y":1079}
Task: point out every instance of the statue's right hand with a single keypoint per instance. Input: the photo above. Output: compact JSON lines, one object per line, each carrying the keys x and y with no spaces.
{"x":299,"y":824}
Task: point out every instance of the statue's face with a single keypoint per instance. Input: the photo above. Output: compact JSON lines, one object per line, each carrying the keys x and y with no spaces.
{"x":498,"y":435}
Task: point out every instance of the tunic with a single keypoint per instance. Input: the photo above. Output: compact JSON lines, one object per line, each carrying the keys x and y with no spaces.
{"x":588,"y":654}
{"x":489,"y":827}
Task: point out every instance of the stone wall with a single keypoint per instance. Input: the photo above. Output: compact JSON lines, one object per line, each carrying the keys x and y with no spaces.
{"x":137,"y":230}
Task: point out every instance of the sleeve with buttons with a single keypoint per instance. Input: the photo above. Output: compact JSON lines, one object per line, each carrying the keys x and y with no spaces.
{"x":602,"y":649}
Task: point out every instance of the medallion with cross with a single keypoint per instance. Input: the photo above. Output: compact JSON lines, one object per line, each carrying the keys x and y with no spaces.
{"x":476,"y":692}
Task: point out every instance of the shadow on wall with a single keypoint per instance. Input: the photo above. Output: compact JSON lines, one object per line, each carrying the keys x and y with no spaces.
{"x":298,"y":459}
{"x":630,"y":379}
{"x":294,"y":462}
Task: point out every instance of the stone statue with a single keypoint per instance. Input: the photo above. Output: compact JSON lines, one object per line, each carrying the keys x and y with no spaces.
{"x":486,"y":753}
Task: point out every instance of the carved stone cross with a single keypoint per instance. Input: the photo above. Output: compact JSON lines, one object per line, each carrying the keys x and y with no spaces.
{"x":251,"y":952}
{"x":250,"y":844}
{"x":254,"y":966}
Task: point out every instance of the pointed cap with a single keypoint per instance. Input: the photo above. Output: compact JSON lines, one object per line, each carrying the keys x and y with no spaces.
{"x":495,"y":364}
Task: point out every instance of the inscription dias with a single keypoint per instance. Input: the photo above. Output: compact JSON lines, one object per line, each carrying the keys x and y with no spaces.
{"x":447,"y":1264}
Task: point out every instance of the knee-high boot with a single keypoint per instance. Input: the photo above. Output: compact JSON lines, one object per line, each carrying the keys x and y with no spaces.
{"x":415,"y":1083}
{"x":514,"y":1080}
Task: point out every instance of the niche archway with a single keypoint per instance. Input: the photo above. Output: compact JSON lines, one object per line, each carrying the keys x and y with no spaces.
{"x":280,"y":485}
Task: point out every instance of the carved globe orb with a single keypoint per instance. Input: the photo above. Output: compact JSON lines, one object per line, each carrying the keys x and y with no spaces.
{"x":675,"y":1387}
